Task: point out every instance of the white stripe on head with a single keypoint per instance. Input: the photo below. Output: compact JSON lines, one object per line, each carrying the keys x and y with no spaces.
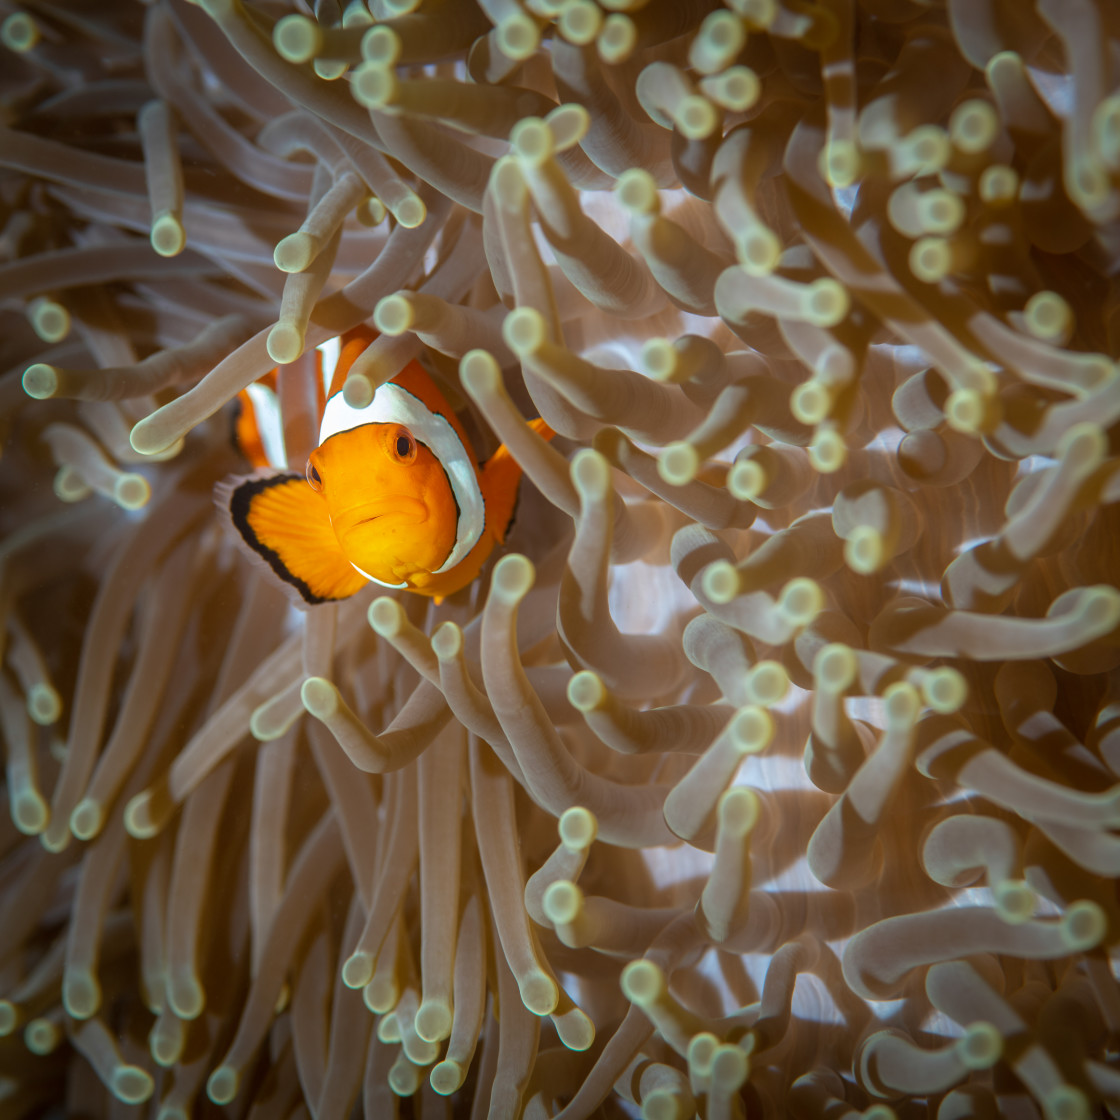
{"x":329,"y":353}
{"x":393,"y":404}
{"x":270,"y":427}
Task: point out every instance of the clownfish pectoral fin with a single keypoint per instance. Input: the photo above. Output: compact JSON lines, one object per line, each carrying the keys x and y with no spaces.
{"x":501,"y":475}
{"x":284,"y":523}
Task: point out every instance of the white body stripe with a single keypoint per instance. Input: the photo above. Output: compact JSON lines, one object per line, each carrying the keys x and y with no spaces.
{"x":329,"y":353}
{"x":393,"y":404}
{"x":374,"y":579}
{"x":266,"y":413}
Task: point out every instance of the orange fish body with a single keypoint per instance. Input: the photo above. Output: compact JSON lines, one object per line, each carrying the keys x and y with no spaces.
{"x":393,"y":494}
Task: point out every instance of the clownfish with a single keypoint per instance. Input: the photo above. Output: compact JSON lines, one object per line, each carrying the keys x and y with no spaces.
{"x":392,"y":495}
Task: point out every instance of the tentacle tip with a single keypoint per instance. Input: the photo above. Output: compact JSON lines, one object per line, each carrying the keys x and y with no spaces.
{"x":87,"y":819}
{"x":131,"y":491}
{"x":81,"y":994}
{"x":531,"y":140}
{"x":295,"y":252}
{"x":518,"y":37}
{"x":643,"y":982}
{"x":40,"y":381}
{"x":539,"y":992}
{"x":835,"y":667}
{"x":373,"y":84}
{"x":131,"y":1084}
{"x":1100,"y":608}
{"x":800,"y":601}
{"x":381,"y":995}
{"x":720,"y":581}
{"x":404,"y":1076}
{"x":42,"y":1037}
{"x":433,"y":1020}
{"x":666,"y":1104}
{"x":746,"y":480}
{"x":507,"y":184}
{"x":945,"y":690}
{"x":562,"y":902}
{"x":700,"y":1054}
{"x":576,"y":1030}
{"x":810,"y":402}
{"x":296,"y":38}
{"x":1083,"y":925}
{"x":1015,"y":901}
{"x":865,"y":550}
{"x":591,"y":475}
{"x":578,"y":828}
{"x":981,"y":1046}
{"x":166,"y":1051}
{"x":410,"y":212}
{"x":319,"y":697}
{"x":222,"y":1085}
{"x":381,"y":44}
{"x":357,"y":390}
{"x":30,"y":813}
{"x":358,"y":970}
{"x":524,"y":331}
{"x":19,"y":32}
{"x":586,"y":691}
{"x":44,"y":705}
{"x":512,"y":578}
{"x":447,"y":1077}
{"x":393,"y":315}
{"x":738,"y":811}
{"x":730,"y":1068}
{"x":679,"y":463}
{"x":285,"y":343}
{"x":902,"y":705}
{"x":879,"y":1112}
{"x":168,"y":237}
{"x":579,"y":22}
{"x":186,"y":996}
{"x":447,"y":641}
{"x":751,"y":729}
{"x":144,"y":816}
{"x":1066,"y":1102}
{"x":636,"y":191}
{"x":480,"y":373}
{"x":768,"y":683}
{"x":828,"y":452}
{"x":147,"y":438}
{"x":55,"y":837}
{"x":385,"y":616}
{"x":826,"y":302}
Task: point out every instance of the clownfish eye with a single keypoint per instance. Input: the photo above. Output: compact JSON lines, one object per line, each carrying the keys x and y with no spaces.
{"x":403,"y":445}
{"x":314,"y":478}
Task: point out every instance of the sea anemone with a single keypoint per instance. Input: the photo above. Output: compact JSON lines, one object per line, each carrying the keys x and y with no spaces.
{"x":772,"y":768}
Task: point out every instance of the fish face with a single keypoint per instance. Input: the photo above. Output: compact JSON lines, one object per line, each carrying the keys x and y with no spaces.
{"x":388,"y":500}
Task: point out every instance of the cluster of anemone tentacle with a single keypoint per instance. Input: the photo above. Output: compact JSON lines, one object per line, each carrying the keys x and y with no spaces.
{"x":774,"y":770}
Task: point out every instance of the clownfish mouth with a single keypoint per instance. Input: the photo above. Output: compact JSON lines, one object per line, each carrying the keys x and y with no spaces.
{"x":402,"y":511}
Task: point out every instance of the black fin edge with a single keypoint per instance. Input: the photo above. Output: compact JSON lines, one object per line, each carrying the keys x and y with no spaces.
{"x":237,"y":496}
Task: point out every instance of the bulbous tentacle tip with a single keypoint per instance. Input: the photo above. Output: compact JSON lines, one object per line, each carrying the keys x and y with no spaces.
{"x":319,"y":697}
{"x":591,"y":474}
{"x":131,"y":1084}
{"x":512,"y":579}
{"x":447,"y":1077}
{"x":223,"y":1084}
{"x":385,"y":616}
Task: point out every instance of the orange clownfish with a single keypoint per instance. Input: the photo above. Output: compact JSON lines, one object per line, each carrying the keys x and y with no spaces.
{"x":392,"y":495}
